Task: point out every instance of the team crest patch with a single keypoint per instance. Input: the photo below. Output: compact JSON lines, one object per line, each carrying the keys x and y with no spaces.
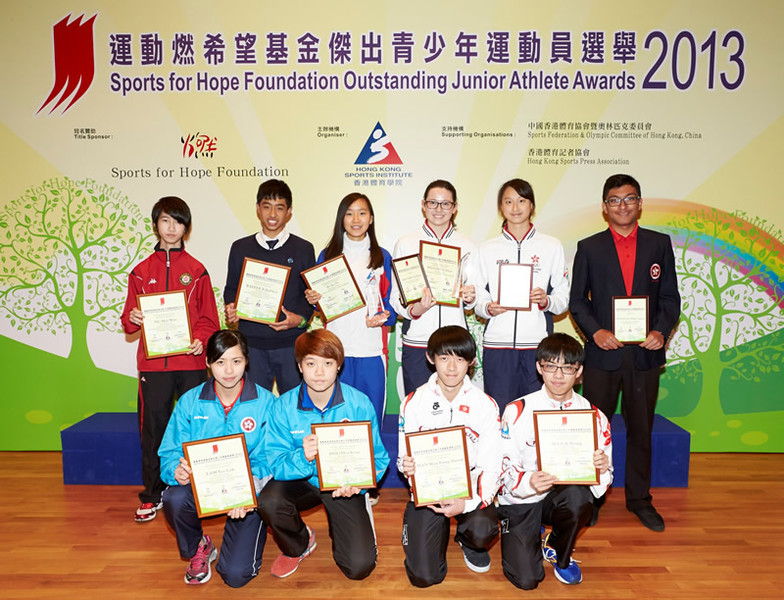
{"x":186,"y":279}
{"x":248,"y":424}
{"x":655,"y":271}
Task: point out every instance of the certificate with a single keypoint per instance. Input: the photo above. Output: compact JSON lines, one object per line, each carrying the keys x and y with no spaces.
{"x":261,"y":289}
{"x":441,"y":465}
{"x":565,"y":443}
{"x":514,"y":286}
{"x":442,"y":267}
{"x":345,"y":455}
{"x":630,"y":318}
{"x":410,"y":278}
{"x":221,"y":478}
{"x":166,"y":328}
{"x":335,"y":282}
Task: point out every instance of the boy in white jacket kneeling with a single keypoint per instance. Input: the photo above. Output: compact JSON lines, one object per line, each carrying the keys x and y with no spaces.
{"x":530,"y":497}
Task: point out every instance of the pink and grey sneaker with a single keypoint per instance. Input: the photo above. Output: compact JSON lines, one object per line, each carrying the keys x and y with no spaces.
{"x":147,"y":511}
{"x":200,"y":570}
{"x":286,"y":565}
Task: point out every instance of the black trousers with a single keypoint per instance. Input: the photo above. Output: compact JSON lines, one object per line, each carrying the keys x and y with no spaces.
{"x":416,"y":369}
{"x":567,"y":508}
{"x":157,"y":392}
{"x":426,"y":535}
{"x":350,"y":523}
{"x":639,"y":390}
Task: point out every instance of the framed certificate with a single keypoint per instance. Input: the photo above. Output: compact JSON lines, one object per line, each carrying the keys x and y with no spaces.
{"x":441,"y":459}
{"x":410,"y":278}
{"x":261,"y":289}
{"x":442,"y":268}
{"x":166,"y":328}
{"x":514,"y":285}
{"x":345,"y":455}
{"x":565,"y":443}
{"x":339,"y":291}
{"x":630,"y":318}
{"x":221,"y":478}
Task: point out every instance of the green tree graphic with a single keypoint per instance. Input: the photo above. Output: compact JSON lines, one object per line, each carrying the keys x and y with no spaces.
{"x":66,"y":248}
{"x":728,"y":269}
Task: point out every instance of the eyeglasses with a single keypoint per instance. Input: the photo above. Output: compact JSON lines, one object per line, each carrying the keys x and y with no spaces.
{"x":628,"y":201}
{"x":552,"y":368}
{"x":446,"y":205}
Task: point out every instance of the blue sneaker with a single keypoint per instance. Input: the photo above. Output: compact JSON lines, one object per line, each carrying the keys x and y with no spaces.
{"x":571,"y":575}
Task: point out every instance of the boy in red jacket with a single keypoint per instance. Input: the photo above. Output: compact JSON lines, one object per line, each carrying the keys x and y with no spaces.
{"x":162,"y":380}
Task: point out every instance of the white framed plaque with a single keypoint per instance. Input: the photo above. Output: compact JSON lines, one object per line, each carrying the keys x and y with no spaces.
{"x":630,"y":318}
{"x":514,"y":285}
{"x":335,"y":282}
{"x":441,"y":465}
{"x":410,"y":278}
{"x":221,"y":478}
{"x":443,"y":269}
{"x":260,"y":291}
{"x":166,"y":327}
{"x":565,"y":443}
{"x":345,"y":455}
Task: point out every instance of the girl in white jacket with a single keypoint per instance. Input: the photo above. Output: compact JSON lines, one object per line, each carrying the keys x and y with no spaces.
{"x":511,"y":336}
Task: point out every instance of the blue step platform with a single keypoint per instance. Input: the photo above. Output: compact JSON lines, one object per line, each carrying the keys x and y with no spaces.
{"x":670,"y":447}
{"x":104,"y":449}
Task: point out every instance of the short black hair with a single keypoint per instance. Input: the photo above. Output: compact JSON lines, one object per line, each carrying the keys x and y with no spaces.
{"x":174,"y":207}
{"x":451,"y":339}
{"x":560,"y":345}
{"x":223,"y":340}
{"x":274,"y":188}
{"x":619,"y":180}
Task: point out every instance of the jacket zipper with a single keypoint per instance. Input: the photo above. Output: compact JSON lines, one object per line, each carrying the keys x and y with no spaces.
{"x":168,"y":264}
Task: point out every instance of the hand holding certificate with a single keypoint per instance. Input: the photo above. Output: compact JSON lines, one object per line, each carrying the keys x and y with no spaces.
{"x":410,"y":278}
{"x":565,"y":443}
{"x":443,"y":271}
{"x":166,"y":328}
{"x":345,"y":455}
{"x":441,"y":459}
{"x":630,"y":318}
{"x":260,"y":291}
{"x":340,"y":294}
{"x":220,"y":474}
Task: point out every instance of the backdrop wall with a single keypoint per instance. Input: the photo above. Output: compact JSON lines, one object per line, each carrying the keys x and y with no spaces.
{"x":107,"y":107}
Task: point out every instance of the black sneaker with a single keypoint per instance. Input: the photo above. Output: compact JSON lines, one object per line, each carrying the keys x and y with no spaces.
{"x":649,"y":517}
{"x":476,"y":560}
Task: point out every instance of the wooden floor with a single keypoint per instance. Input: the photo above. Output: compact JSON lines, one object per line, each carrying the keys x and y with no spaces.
{"x":724,"y":539}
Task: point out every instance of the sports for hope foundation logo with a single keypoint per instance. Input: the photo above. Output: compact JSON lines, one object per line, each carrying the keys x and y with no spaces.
{"x":74,"y":62}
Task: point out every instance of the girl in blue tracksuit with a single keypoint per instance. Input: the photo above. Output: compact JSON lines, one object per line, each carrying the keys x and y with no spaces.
{"x":291,"y":450}
{"x":363,"y":333}
{"x":226,"y":404}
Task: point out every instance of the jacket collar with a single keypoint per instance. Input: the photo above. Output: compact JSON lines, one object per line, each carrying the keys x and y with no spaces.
{"x":528,"y":234}
{"x":336,"y":400}
{"x":432,"y":234}
{"x":248,"y":391}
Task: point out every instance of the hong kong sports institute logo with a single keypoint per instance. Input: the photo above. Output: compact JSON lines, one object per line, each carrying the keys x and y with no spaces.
{"x":74,"y":62}
{"x":378,"y":149}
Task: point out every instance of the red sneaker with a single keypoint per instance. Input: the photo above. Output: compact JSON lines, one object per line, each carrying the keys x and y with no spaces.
{"x":200,"y":570}
{"x":147,"y":511}
{"x":286,"y":565}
